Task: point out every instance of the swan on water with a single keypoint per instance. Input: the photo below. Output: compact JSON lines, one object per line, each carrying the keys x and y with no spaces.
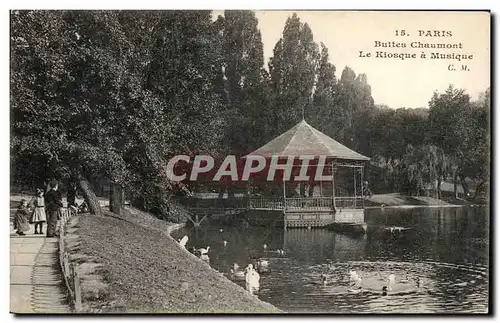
{"x":204,"y":251}
{"x":391,"y":281}
{"x":324,"y":279}
{"x":262,"y":263}
{"x":236,"y":272}
{"x":355,"y":280}
{"x":405,"y":280}
{"x":358,"y":281}
{"x":278,"y":251}
{"x":420,"y":282}
{"x":356,"y":286}
{"x":183,"y":241}
{"x":252,"y":277}
{"x":261,"y":266}
{"x":356,"y":290}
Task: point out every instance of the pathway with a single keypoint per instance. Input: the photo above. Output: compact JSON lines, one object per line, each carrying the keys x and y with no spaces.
{"x":36,"y":282}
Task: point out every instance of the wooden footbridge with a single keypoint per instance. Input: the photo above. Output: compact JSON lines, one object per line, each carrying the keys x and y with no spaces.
{"x":293,"y":212}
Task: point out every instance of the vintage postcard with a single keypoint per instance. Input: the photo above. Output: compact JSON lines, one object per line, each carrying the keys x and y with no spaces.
{"x":238,"y":161}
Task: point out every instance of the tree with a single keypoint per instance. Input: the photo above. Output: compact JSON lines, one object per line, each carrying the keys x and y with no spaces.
{"x":293,"y":74}
{"x":47,"y":120}
{"x":478,"y":166}
{"x":182,"y":101}
{"x":450,"y":129}
{"x":90,"y":94}
{"x":354,"y":97}
{"x":443,"y":167}
{"x":324,"y":114}
{"x":421,"y":168}
{"x":243,"y":61}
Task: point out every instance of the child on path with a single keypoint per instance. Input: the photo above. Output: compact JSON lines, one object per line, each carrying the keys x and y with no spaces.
{"x":21,"y":219}
{"x":38,"y":216}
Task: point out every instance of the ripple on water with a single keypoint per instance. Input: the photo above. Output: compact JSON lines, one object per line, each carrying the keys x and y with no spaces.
{"x":454,"y":270}
{"x":447,"y":287}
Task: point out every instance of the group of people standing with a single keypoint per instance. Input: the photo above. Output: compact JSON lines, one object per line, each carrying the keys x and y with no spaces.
{"x":42,"y":208}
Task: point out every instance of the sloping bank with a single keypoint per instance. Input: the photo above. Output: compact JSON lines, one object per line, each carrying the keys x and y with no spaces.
{"x":398,"y":200}
{"x":131,"y":264}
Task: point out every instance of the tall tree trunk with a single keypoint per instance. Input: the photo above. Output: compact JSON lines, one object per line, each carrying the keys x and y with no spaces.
{"x":439,"y":188}
{"x":230,"y":191}
{"x":311,"y":189}
{"x":47,"y":186}
{"x":302,"y":189}
{"x":222,"y":191}
{"x":465,"y":186}
{"x":116,"y":198}
{"x":478,"y":189}
{"x":455,"y":186}
{"x":90,"y":197}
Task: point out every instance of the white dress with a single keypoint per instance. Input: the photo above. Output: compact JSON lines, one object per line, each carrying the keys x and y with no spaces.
{"x":39,"y":211}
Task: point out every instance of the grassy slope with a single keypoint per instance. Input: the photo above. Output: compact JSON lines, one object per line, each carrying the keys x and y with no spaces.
{"x":144,"y":270}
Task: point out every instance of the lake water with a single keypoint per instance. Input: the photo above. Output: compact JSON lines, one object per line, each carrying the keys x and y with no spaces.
{"x":447,"y":249}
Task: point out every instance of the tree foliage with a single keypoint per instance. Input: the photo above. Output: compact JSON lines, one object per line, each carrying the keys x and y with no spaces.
{"x":113,"y":93}
{"x":243,"y":61}
{"x":293,"y":74}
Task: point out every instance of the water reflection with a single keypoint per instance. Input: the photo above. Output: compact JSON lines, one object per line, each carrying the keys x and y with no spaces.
{"x":447,"y":250}
{"x":316,"y":245}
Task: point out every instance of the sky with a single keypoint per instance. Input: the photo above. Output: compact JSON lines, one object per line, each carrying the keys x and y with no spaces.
{"x":397,"y":83}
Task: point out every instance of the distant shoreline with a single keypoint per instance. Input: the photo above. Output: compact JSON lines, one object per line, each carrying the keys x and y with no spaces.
{"x":417,"y":206}
{"x":400,"y":201}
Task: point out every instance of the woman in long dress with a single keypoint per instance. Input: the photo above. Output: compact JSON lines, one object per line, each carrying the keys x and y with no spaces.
{"x":21,"y":219}
{"x":38,"y":217}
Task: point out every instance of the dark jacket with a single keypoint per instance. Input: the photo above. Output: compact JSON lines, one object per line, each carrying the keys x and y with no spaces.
{"x":53,"y":200}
